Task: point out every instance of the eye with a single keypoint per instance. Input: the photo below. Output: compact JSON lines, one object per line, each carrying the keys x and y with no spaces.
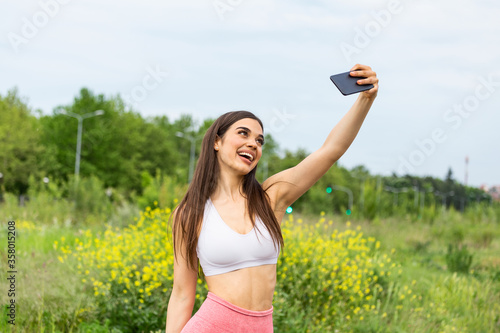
{"x":260,"y":141}
{"x":242,"y":131}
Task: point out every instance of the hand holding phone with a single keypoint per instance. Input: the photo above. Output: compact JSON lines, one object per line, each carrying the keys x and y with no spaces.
{"x":348,"y":84}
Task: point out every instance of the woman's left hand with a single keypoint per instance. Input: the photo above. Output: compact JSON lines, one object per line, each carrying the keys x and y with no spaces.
{"x":371,"y":77}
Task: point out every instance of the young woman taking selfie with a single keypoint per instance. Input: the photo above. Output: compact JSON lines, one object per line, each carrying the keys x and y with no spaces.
{"x":230,"y":224}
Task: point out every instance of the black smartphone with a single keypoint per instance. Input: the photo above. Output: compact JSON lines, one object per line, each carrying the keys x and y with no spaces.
{"x":348,"y":84}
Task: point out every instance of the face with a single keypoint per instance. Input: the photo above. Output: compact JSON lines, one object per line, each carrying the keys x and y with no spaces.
{"x":241,"y":146}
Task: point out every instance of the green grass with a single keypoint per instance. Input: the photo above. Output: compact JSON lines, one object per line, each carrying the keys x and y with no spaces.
{"x":451,"y":302}
{"x":50,"y":296}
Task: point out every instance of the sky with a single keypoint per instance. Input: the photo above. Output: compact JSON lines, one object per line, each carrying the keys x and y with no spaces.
{"x":437,"y":62}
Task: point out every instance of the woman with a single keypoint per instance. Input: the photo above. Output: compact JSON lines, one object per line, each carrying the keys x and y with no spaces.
{"x":231,"y":223}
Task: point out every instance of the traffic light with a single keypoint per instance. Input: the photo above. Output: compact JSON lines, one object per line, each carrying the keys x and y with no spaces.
{"x":329,"y":189}
{"x":289,"y":210}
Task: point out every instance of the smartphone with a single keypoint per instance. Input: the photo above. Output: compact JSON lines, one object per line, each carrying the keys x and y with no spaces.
{"x":348,"y":84}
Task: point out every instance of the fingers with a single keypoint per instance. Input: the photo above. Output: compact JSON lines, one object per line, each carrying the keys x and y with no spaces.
{"x":361,"y":67}
{"x":370,"y":77}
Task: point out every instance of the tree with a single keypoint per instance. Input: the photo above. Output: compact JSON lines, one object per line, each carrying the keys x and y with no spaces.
{"x":116,"y":146}
{"x":19,"y":143}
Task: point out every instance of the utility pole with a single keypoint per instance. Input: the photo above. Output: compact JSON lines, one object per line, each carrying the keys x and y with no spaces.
{"x":466,"y":170}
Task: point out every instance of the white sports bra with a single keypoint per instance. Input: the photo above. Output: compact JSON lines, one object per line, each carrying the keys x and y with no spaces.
{"x":221,"y":249}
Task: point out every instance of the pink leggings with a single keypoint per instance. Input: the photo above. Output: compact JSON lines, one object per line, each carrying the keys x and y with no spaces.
{"x":218,"y":315}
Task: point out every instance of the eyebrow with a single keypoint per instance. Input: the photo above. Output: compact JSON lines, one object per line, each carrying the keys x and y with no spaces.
{"x":247,"y":129}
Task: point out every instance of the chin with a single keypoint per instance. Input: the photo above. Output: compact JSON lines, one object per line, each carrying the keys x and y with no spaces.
{"x":246,"y":171}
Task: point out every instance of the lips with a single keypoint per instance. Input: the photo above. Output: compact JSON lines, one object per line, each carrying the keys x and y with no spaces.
{"x":247,"y":154}
{"x":246,"y":160}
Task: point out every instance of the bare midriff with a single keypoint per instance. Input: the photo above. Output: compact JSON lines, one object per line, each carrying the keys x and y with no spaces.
{"x":249,"y":288}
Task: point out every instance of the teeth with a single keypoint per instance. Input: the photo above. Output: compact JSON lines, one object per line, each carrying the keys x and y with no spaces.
{"x":247,"y":154}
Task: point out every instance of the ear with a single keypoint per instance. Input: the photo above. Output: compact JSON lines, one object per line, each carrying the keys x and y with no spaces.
{"x":217,"y":142}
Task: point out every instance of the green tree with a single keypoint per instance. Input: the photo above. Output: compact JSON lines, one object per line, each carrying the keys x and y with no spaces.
{"x":116,"y":146}
{"x":19,"y":143}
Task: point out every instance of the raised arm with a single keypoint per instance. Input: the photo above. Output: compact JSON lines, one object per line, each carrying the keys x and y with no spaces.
{"x":291,"y":183}
{"x":181,"y":303}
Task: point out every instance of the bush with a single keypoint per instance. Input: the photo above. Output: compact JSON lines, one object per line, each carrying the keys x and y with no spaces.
{"x":458,"y":259}
{"x":327,"y":278}
{"x":161,"y":191}
{"x":91,"y":203}
{"x":332,"y":279}
{"x":129,"y":271}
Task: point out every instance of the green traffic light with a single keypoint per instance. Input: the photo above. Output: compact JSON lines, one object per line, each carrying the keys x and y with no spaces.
{"x":348,"y":212}
{"x":329,"y":189}
{"x":289,"y":210}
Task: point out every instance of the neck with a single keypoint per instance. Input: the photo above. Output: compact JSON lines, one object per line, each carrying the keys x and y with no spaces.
{"x":229,"y":187}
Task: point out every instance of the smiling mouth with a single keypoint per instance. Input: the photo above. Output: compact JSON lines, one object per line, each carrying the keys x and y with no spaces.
{"x":246,"y":159}
{"x":246,"y":156}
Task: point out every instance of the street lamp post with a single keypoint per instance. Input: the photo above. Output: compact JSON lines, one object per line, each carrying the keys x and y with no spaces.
{"x":362,"y":179}
{"x":191,"y":157}
{"x":379,"y":192}
{"x":80,"y":119}
{"x":347,"y":190}
{"x":1,"y":187}
{"x":443,"y":197}
{"x":416,"y":192}
{"x":422,"y":202}
{"x":396,"y":191}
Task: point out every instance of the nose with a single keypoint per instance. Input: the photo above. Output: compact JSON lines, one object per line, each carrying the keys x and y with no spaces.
{"x":251,"y":143}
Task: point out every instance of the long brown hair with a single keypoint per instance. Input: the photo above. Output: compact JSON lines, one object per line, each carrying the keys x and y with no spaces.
{"x":189,"y":212}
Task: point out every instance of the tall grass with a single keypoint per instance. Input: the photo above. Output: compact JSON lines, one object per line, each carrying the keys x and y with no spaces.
{"x":317,"y":289}
{"x":48,"y":296}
